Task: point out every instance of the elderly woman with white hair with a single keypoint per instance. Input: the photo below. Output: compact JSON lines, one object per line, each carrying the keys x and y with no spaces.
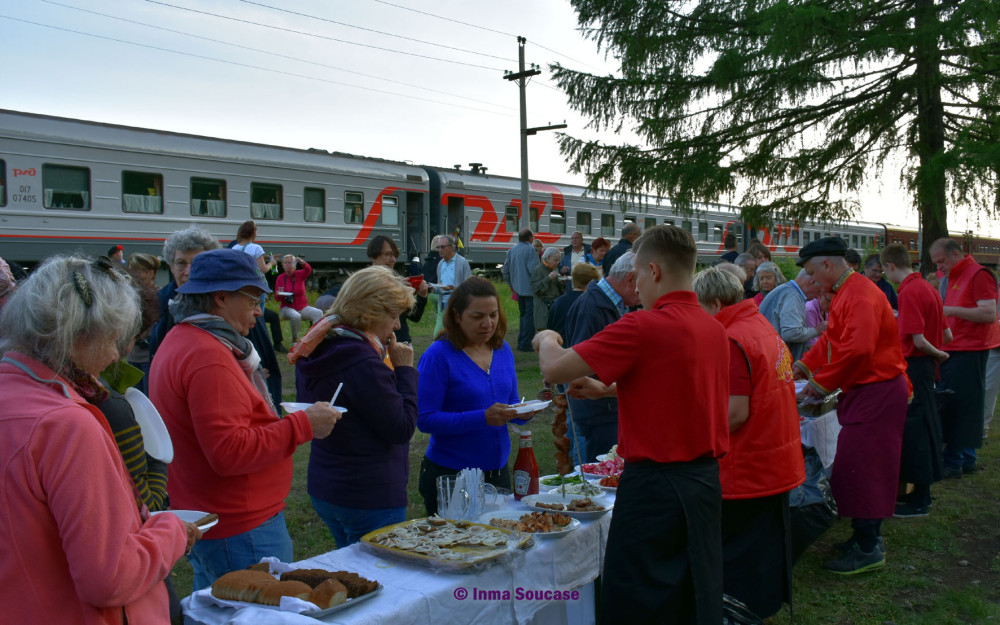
{"x":80,"y":546}
{"x":765,"y":457}
{"x":356,"y":346}
{"x":546,"y":286}
{"x":232,"y":452}
{"x":767,"y":276}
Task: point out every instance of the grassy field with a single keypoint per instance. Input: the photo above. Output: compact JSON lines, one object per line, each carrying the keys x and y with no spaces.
{"x":941,"y":569}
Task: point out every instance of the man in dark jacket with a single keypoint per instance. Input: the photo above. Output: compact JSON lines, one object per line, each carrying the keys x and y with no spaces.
{"x":630,"y":232}
{"x":572,"y":254}
{"x":604,"y":302}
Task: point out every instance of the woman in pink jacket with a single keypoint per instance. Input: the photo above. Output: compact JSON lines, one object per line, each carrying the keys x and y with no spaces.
{"x":79,"y":548}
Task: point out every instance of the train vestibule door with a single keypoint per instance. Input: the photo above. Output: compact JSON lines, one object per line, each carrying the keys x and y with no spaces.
{"x":414,"y":235}
{"x":456,"y":219}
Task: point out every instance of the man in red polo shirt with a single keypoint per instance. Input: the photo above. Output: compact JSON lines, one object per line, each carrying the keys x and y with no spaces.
{"x":970,"y":308}
{"x":922,"y":334}
{"x":669,"y":365}
{"x":860,"y":354}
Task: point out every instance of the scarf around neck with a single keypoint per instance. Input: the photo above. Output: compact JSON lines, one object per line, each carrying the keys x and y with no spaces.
{"x":240,"y":346}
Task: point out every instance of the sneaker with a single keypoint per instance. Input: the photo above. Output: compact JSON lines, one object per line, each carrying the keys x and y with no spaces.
{"x":951,"y":473}
{"x":906,"y":510}
{"x":855,"y":561}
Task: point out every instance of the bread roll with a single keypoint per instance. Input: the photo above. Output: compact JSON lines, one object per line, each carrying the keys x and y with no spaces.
{"x":271,"y":594}
{"x":240,"y":585}
{"x":328,"y":594}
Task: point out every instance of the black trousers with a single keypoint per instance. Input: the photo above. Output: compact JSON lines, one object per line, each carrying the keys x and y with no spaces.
{"x":756,"y":552}
{"x":663,"y":562}
{"x":430,"y":471}
{"x":274,"y":323}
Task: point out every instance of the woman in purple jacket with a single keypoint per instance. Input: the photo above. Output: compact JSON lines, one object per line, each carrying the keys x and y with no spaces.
{"x":357,"y":477}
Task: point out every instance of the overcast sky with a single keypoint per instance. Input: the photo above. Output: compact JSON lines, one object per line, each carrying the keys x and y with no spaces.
{"x":408,"y":80}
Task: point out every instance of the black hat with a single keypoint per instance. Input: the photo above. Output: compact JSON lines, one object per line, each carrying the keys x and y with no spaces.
{"x":827,"y":246}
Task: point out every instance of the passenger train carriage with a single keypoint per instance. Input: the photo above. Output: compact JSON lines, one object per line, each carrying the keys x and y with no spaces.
{"x":68,"y":185}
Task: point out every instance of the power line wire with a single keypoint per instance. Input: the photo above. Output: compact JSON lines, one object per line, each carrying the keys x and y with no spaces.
{"x":372,"y":30}
{"x":247,"y":65}
{"x":299,"y":32}
{"x":492,"y":30}
{"x":284,"y":56}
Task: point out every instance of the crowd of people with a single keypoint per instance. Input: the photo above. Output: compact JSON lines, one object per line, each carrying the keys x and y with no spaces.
{"x":692,"y":375}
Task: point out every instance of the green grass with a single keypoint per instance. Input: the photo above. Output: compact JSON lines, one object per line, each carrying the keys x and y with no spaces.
{"x":942,"y":569}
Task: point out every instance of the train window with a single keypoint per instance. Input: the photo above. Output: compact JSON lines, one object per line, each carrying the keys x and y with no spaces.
{"x":557,"y":222}
{"x":703,"y":231}
{"x":354,"y":207}
{"x":314,"y":205}
{"x":854,"y":238}
{"x":208,"y":197}
{"x":533,"y":218}
{"x":142,"y":192}
{"x":717,"y":233}
{"x":265,"y":201}
{"x":631,"y":218}
{"x":668,"y":222}
{"x":607,"y":225}
{"x":390,"y":210}
{"x":511,"y":218}
{"x":66,"y":187}
{"x":795,"y":236}
{"x":583,"y":222}
{"x":816,"y":236}
{"x":686,"y":225}
{"x":650,"y":222}
{"x":3,"y":183}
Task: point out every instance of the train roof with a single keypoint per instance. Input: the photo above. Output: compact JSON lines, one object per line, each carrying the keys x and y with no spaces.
{"x":18,"y":124}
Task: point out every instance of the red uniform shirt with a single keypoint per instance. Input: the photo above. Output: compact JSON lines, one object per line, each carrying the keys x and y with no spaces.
{"x":968,"y":283}
{"x":920,"y":312}
{"x":672,"y":369}
{"x":861,"y":342}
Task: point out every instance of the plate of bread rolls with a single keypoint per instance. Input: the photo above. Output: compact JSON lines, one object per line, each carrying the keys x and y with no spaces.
{"x":310,"y":592}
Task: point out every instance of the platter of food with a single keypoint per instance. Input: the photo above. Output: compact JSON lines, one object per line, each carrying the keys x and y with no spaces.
{"x":609,"y":483}
{"x":444,"y":543}
{"x":576,"y":506}
{"x":547,"y":524}
{"x":557,"y":480}
{"x":612,"y":466}
{"x":310,"y":592}
{"x":533,"y":405}
{"x":203,"y":520}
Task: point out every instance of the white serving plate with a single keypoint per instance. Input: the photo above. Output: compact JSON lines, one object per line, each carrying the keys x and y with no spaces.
{"x":317,"y":614}
{"x":190,"y":516}
{"x":155,"y":437}
{"x":532,"y":405}
{"x":532,"y":500}
{"x":515,"y":515}
{"x":292,"y":406}
{"x":541,"y":480}
{"x":557,"y":490}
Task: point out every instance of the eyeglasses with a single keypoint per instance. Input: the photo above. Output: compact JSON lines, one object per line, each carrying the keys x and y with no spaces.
{"x":257,"y":299}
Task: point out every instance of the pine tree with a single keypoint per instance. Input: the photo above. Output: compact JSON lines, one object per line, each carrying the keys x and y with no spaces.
{"x":788,"y":106}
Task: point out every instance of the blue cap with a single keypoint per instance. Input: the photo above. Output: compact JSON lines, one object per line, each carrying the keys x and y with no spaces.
{"x":223,"y":270}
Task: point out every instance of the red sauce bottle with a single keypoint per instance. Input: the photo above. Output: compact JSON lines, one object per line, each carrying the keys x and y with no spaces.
{"x":525,"y":468}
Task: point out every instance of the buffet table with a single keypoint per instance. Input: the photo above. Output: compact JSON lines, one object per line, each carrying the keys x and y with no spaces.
{"x":418,"y":595}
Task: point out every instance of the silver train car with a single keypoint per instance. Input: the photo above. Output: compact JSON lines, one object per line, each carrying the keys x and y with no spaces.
{"x":71,"y":185}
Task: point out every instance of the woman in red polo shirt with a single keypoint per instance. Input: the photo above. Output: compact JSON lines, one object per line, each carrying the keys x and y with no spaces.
{"x":765,"y":454}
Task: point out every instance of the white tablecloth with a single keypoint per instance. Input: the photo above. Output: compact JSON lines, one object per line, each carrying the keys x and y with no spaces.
{"x":420,"y":596}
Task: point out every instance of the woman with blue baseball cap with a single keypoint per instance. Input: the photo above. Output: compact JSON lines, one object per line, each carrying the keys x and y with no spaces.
{"x":232,"y":452}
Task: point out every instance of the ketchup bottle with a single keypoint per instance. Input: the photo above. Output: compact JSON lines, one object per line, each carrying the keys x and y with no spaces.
{"x":525,"y":468}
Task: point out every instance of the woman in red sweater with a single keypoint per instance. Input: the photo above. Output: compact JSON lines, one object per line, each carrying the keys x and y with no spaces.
{"x":765,"y":453}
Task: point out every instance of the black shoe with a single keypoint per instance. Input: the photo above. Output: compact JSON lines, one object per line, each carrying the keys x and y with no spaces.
{"x":969,"y":469}
{"x":951,"y":473}
{"x":906,"y":510}
{"x":280,"y":349}
{"x":855,"y":561}
{"x":850,"y":542}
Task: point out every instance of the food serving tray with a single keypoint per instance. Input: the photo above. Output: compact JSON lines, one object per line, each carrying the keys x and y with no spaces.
{"x":466,"y":557}
{"x":317,"y":614}
{"x":532,"y":502}
{"x":515,"y":515}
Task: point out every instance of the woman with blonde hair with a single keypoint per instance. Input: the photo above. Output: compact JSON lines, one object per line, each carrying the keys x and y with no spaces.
{"x":357,"y":478}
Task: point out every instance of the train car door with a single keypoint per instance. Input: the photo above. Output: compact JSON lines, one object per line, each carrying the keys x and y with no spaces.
{"x":456,"y":219}
{"x":414,"y":235}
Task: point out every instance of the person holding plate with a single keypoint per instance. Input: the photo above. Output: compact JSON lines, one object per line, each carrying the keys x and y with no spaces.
{"x":80,"y":545}
{"x":358,"y":476}
{"x":467,"y":386}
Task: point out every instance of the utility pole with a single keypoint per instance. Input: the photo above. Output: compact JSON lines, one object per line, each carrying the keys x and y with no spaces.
{"x":521,"y":77}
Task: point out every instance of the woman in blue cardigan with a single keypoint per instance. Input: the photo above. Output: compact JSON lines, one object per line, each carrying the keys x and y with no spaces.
{"x":467,"y":384}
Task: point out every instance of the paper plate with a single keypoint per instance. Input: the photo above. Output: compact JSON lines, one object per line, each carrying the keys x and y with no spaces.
{"x":155,"y":437}
{"x":293,"y":406}
{"x":191,"y":516}
{"x":531,"y":406}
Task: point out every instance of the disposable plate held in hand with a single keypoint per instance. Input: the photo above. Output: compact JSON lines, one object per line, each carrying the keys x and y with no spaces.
{"x":192,"y":516}
{"x":155,"y":437}
{"x":292,"y":406}
{"x":532,"y":405}
{"x":532,"y":502}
